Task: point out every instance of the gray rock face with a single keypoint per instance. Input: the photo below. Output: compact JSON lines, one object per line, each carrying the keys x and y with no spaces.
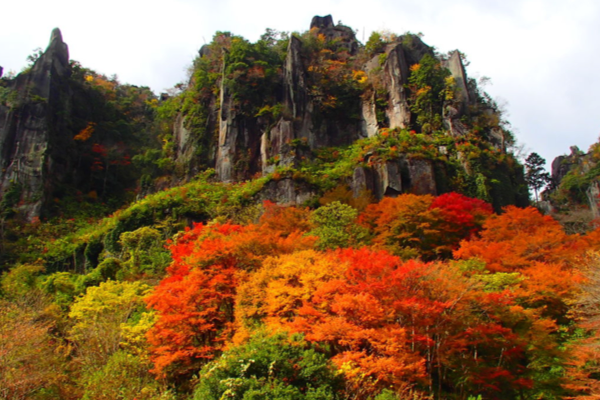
{"x":369,"y":125}
{"x":363,"y":180}
{"x":593,"y":194}
{"x":422,"y":177}
{"x":286,"y":192}
{"x":457,"y":69}
{"x":204,"y":51}
{"x":414,"y":48}
{"x":395,"y":78}
{"x":460,"y":104}
{"x":389,"y":179}
{"x":184,"y":145}
{"x":395,"y":177}
{"x":561,"y":166}
{"x":277,"y":143}
{"x":299,"y":131}
{"x":322,"y":22}
{"x":393,"y":75}
{"x":238,"y":150}
{"x":30,"y":127}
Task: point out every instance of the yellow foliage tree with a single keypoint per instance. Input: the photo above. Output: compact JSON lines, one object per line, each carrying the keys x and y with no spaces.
{"x":98,"y":318}
{"x":274,"y":293}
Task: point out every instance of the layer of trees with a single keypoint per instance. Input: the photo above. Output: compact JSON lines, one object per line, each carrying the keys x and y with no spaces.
{"x":412,"y":297}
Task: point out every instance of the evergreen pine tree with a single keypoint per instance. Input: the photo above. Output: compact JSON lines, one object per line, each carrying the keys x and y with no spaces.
{"x":536,"y":175}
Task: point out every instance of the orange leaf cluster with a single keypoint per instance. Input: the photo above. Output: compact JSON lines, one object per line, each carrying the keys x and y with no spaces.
{"x":482,"y":324}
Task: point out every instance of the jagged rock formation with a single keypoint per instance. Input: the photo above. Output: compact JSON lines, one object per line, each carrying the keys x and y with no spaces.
{"x":561,"y":165}
{"x":453,"y":112}
{"x":66,"y":131}
{"x":252,"y":110}
{"x":575,"y":181}
{"x":30,"y":152}
{"x":239,"y":144}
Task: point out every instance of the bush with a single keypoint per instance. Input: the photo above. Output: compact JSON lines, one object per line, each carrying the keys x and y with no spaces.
{"x":273,"y":367}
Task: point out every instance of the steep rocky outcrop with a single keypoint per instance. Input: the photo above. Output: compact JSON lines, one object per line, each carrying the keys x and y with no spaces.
{"x":453,"y":112}
{"x":391,"y":178}
{"x":30,"y":152}
{"x":343,"y":35}
{"x":254,"y":109}
{"x":238,"y":148}
{"x":395,"y":70}
{"x":561,"y":165}
{"x":239,"y":144}
{"x":69,"y":134}
{"x":575,"y":181}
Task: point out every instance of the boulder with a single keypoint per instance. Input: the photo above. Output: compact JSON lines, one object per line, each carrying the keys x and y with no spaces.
{"x":287,"y":192}
{"x":422,"y":176}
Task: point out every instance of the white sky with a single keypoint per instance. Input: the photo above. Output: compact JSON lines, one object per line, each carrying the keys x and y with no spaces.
{"x":541,"y":55}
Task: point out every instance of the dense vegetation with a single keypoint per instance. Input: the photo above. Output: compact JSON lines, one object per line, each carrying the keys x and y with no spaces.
{"x":332,"y":303}
{"x":208,"y":290}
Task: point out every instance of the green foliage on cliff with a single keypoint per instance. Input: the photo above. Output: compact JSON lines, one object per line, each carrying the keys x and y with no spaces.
{"x":431,"y":87}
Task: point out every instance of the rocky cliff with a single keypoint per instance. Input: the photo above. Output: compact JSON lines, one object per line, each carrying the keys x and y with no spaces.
{"x":68,"y":133}
{"x":328,"y":90}
{"x":575,"y":182}
{"x":30,"y":125}
{"x":310,"y":112}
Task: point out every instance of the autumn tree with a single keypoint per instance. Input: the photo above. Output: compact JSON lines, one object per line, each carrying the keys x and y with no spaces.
{"x":98,"y":317}
{"x":585,"y":360}
{"x":411,"y":225}
{"x":334,"y":225}
{"x":458,"y":217}
{"x":525,"y":241}
{"x":195,"y":302}
{"x":275,"y":292}
{"x":403,"y":225}
{"x":431,"y":326}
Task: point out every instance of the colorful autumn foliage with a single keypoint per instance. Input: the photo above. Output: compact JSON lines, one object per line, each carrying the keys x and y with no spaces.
{"x":286,"y":307}
{"x":195,"y":303}
{"x":411,"y":225}
{"x":459,"y":327}
{"x":394,"y":323}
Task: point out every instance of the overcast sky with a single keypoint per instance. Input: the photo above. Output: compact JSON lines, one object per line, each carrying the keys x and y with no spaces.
{"x":541,"y":55}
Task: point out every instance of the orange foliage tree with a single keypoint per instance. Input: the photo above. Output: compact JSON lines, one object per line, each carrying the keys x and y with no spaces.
{"x":525,"y":241}
{"x":410,"y":225}
{"x":275,"y":292}
{"x":195,"y":302}
{"x":392,"y":323}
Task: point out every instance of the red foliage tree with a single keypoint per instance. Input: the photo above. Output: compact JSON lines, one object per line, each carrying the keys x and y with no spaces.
{"x":460,"y":217}
{"x":195,"y":302}
{"x":411,"y":225}
{"x":391,"y":323}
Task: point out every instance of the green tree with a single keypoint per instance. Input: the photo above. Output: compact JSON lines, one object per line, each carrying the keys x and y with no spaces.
{"x":273,"y":367}
{"x":335,"y":226}
{"x":536,"y":175}
{"x":430,"y":86}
